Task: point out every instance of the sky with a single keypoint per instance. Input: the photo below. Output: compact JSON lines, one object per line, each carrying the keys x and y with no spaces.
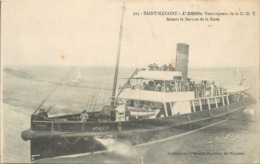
{"x":85,"y":33}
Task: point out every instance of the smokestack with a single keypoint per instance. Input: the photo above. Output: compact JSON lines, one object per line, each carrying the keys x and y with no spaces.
{"x":182,"y":56}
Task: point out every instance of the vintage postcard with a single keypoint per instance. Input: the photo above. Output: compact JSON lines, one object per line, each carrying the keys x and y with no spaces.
{"x":127,"y":81}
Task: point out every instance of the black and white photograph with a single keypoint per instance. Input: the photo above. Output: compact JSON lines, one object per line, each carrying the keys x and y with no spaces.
{"x":127,"y":81}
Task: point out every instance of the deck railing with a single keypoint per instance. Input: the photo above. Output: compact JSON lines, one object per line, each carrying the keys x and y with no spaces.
{"x":210,"y":93}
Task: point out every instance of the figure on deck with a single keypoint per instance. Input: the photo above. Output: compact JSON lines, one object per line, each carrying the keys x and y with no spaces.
{"x":106,"y":113}
{"x":84,"y":116}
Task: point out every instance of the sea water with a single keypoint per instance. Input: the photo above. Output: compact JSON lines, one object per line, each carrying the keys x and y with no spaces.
{"x":233,"y":140}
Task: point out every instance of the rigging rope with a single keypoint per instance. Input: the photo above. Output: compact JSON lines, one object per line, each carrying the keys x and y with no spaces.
{"x":67,"y":139}
{"x":54,"y":89}
{"x":104,"y":95}
{"x":97,"y":89}
{"x":102,"y":78}
{"x":93,"y":88}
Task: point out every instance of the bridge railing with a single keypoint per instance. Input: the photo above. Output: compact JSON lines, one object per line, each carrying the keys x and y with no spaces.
{"x":210,"y":93}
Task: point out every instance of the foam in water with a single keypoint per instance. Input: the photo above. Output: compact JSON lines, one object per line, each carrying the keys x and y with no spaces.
{"x":121,"y":148}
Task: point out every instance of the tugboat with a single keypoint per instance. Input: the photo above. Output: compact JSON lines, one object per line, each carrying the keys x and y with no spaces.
{"x":153,"y":100}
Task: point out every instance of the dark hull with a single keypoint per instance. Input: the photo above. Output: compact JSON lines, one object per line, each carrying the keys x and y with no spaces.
{"x":66,"y":139}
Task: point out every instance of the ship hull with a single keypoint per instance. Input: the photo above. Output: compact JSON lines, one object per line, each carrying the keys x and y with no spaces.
{"x":59,"y":139}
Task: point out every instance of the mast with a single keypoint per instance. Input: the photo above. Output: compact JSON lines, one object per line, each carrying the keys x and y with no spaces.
{"x":118,"y":57}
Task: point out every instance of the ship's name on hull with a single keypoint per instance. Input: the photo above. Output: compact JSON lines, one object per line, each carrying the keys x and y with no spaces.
{"x":101,"y":128}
